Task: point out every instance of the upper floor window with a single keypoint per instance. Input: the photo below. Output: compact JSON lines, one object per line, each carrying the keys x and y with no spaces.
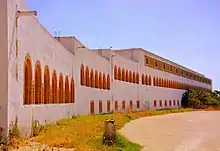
{"x":164,"y":66}
{"x":146,"y":60}
{"x":176,"y":70}
{"x":171,"y":68}
{"x":156,"y":65}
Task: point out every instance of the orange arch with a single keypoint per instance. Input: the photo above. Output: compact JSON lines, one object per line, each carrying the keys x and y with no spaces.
{"x":123,"y":74}
{"x":104,"y":81}
{"x":82,"y":75}
{"x":146,"y":80}
{"x":154,"y":81}
{"x":46,"y":85}
{"x":169,"y":83}
{"x":92,"y":78}
{"x":38,"y":82}
{"x":134,"y":77}
{"x":27,"y":80}
{"x":137,"y":78}
{"x":61,"y":88}
{"x":119,"y":73}
{"x":126,"y":76}
{"x":165,"y":83}
{"x":149,"y":81}
{"x":115,"y":73}
{"x":67,"y":91}
{"x":87,"y":77}
{"x":143,"y":79}
{"x":108,"y":82}
{"x":72,"y":91}
{"x":158,"y":84}
{"x":54,"y":87}
{"x":130,"y":76}
{"x":162,"y":83}
{"x":96,"y":79}
{"x":100,"y":81}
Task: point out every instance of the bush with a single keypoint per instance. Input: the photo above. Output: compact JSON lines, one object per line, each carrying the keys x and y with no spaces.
{"x":200,"y":99}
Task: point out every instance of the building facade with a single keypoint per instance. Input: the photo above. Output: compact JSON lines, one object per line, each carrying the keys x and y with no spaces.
{"x":47,"y":78}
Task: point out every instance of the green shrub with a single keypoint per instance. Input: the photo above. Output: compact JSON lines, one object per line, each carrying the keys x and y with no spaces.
{"x":200,"y":99}
{"x":36,"y":128}
{"x":14,"y":130}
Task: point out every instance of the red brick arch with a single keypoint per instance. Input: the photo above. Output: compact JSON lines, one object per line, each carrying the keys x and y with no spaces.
{"x":54,"y":87}
{"x":100,"y":81}
{"x":38,"y":83}
{"x":92,"y":78}
{"x":61,"y":88}
{"x":96,"y":79}
{"x":123,"y":75}
{"x":115,"y":73}
{"x":72,"y":91}
{"x":104,"y":81}
{"x":82,"y":75}
{"x":46,"y":85}
{"x":108,"y":82}
{"x":27,"y":80}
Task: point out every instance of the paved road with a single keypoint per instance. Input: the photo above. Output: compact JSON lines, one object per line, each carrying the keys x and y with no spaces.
{"x":190,"y":131}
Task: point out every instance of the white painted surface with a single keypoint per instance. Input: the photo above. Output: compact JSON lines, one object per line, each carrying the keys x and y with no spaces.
{"x":41,"y":45}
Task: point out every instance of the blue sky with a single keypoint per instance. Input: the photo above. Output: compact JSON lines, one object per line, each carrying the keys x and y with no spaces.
{"x":184,"y":31}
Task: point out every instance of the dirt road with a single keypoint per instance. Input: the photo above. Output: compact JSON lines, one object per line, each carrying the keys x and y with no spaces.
{"x":191,"y":131}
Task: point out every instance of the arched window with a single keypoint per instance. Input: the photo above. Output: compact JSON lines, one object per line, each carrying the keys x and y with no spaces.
{"x":100,"y":81}
{"x":162,"y":82}
{"x":82,"y":75}
{"x":137,"y":78}
{"x":123,"y":74}
{"x":155,"y":103}
{"x":169,"y":84}
{"x":115,"y":73}
{"x":146,"y":80}
{"x":160,"y":85}
{"x":27,"y":80}
{"x":143,"y":79}
{"x":134,"y":77}
{"x":157,"y":81}
{"x":149,"y":81}
{"x":72,"y":91}
{"x":54,"y":87}
{"x":130,"y":76}
{"x":61,"y":88}
{"x":67,"y":91}
{"x":160,"y":103}
{"x":165,"y":103}
{"x":127,"y":76}
{"x":38,"y":83}
{"x":96,"y":79}
{"x":104,"y":81}
{"x":87,"y":77}
{"x":108,"y":82}
{"x":166,"y":83}
{"x":170,"y":103}
{"x":46,"y":85}
{"x":119,"y":73}
{"x":92,"y":78}
{"x":154,"y":81}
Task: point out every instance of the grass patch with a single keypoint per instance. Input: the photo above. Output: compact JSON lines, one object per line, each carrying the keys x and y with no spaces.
{"x":85,"y":132}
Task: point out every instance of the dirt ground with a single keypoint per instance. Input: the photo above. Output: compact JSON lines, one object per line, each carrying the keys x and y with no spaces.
{"x":190,"y":131}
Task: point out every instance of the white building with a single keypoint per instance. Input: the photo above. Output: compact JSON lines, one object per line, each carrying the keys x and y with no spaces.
{"x":46,"y":78}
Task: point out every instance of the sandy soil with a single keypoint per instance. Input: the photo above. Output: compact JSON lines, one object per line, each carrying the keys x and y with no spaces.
{"x":190,"y":131}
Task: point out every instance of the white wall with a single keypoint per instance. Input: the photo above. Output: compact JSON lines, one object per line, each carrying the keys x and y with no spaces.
{"x":3,"y":66}
{"x":40,"y":45}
